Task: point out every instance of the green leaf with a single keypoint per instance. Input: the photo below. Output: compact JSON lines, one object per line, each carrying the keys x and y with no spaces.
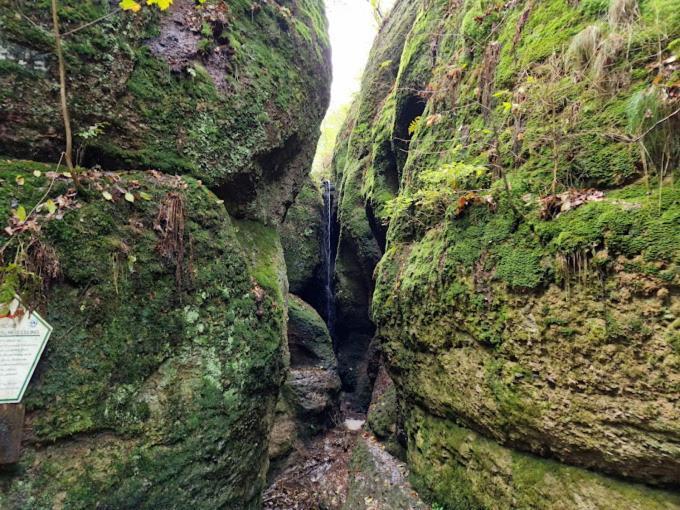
{"x":144,"y":195}
{"x":20,"y":180}
{"x":129,"y":197}
{"x":21,"y":213}
{"x":414,"y":125}
{"x":107,"y":196}
{"x":51,"y":206}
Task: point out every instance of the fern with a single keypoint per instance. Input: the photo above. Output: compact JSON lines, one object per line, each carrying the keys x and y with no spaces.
{"x":414,"y":125}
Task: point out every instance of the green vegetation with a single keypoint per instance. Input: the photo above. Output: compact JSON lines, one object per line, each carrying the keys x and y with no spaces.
{"x":240,"y":100}
{"x":146,"y":345}
{"x":532,"y":223}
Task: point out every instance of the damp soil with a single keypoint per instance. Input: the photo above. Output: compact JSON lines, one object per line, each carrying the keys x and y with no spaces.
{"x":346,"y":468}
{"x":317,"y":476}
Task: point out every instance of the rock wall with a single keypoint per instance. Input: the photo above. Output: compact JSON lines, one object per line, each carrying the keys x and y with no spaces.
{"x":158,"y":385}
{"x":527,"y":302}
{"x":168,"y":295}
{"x":309,"y":402}
{"x":301,"y":237}
{"x":364,"y":186}
{"x":231,"y":93}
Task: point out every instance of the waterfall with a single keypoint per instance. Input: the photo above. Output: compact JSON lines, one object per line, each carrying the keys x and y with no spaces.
{"x":328,"y":252}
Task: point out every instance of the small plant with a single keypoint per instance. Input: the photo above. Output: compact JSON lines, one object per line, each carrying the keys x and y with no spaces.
{"x":87,"y":135}
{"x":414,"y":125}
{"x":652,"y":122}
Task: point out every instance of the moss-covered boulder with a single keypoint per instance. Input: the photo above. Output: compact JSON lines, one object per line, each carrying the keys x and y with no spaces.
{"x":231,"y":93}
{"x":309,"y":341}
{"x":312,"y":388}
{"x":528,"y":290}
{"x":310,"y":397}
{"x":464,"y":470}
{"x":384,"y":416}
{"x":302,"y":238}
{"x":158,"y":385}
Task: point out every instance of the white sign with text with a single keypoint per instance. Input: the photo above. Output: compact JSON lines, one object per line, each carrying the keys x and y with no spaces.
{"x":23,"y":337}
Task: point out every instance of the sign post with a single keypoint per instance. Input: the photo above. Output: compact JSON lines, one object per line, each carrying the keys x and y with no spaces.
{"x":23,"y":337}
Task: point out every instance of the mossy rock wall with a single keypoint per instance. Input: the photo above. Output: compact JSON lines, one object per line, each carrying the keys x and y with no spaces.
{"x":363,"y":186}
{"x":302,"y":238}
{"x":158,"y":385}
{"x":528,"y":290}
{"x":231,"y":93}
{"x":309,"y":403}
{"x":467,"y":471}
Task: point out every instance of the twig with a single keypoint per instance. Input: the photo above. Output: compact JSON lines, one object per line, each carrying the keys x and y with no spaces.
{"x":62,"y":90}
{"x":49,"y":188}
{"x":90,"y":23}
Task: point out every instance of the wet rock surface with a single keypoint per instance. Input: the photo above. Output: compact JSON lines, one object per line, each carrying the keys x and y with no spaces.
{"x":343,"y":470}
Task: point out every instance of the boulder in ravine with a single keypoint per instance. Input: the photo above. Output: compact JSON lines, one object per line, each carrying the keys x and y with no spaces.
{"x":231,"y":93}
{"x":310,"y":397}
{"x":312,"y":387}
{"x":527,"y":301}
{"x":302,"y":238}
{"x":384,"y":416}
{"x":309,"y":341}
{"x":158,"y":385}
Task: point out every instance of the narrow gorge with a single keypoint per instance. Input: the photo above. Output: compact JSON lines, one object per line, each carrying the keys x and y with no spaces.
{"x":473,"y":304}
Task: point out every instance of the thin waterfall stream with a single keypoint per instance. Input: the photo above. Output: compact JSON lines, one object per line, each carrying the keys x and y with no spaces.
{"x":328,"y":256}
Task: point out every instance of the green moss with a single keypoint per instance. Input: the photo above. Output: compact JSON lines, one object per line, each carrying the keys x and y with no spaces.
{"x":266,"y":257}
{"x":234,"y":109}
{"x":301,"y":238}
{"x":520,"y":267}
{"x":462,"y":470}
{"x":153,"y":386}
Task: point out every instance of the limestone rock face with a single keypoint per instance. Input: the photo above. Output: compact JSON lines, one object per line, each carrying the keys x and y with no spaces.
{"x":163,"y":276}
{"x":526,"y":303}
{"x":309,"y":342}
{"x":312,"y":388}
{"x":384,"y":415}
{"x":231,"y":93}
{"x":158,"y":385}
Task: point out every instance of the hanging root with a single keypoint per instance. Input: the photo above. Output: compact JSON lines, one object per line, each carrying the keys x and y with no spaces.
{"x":42,"y":260}
{"x":170,"y":223}
{"x":574,"y":266}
